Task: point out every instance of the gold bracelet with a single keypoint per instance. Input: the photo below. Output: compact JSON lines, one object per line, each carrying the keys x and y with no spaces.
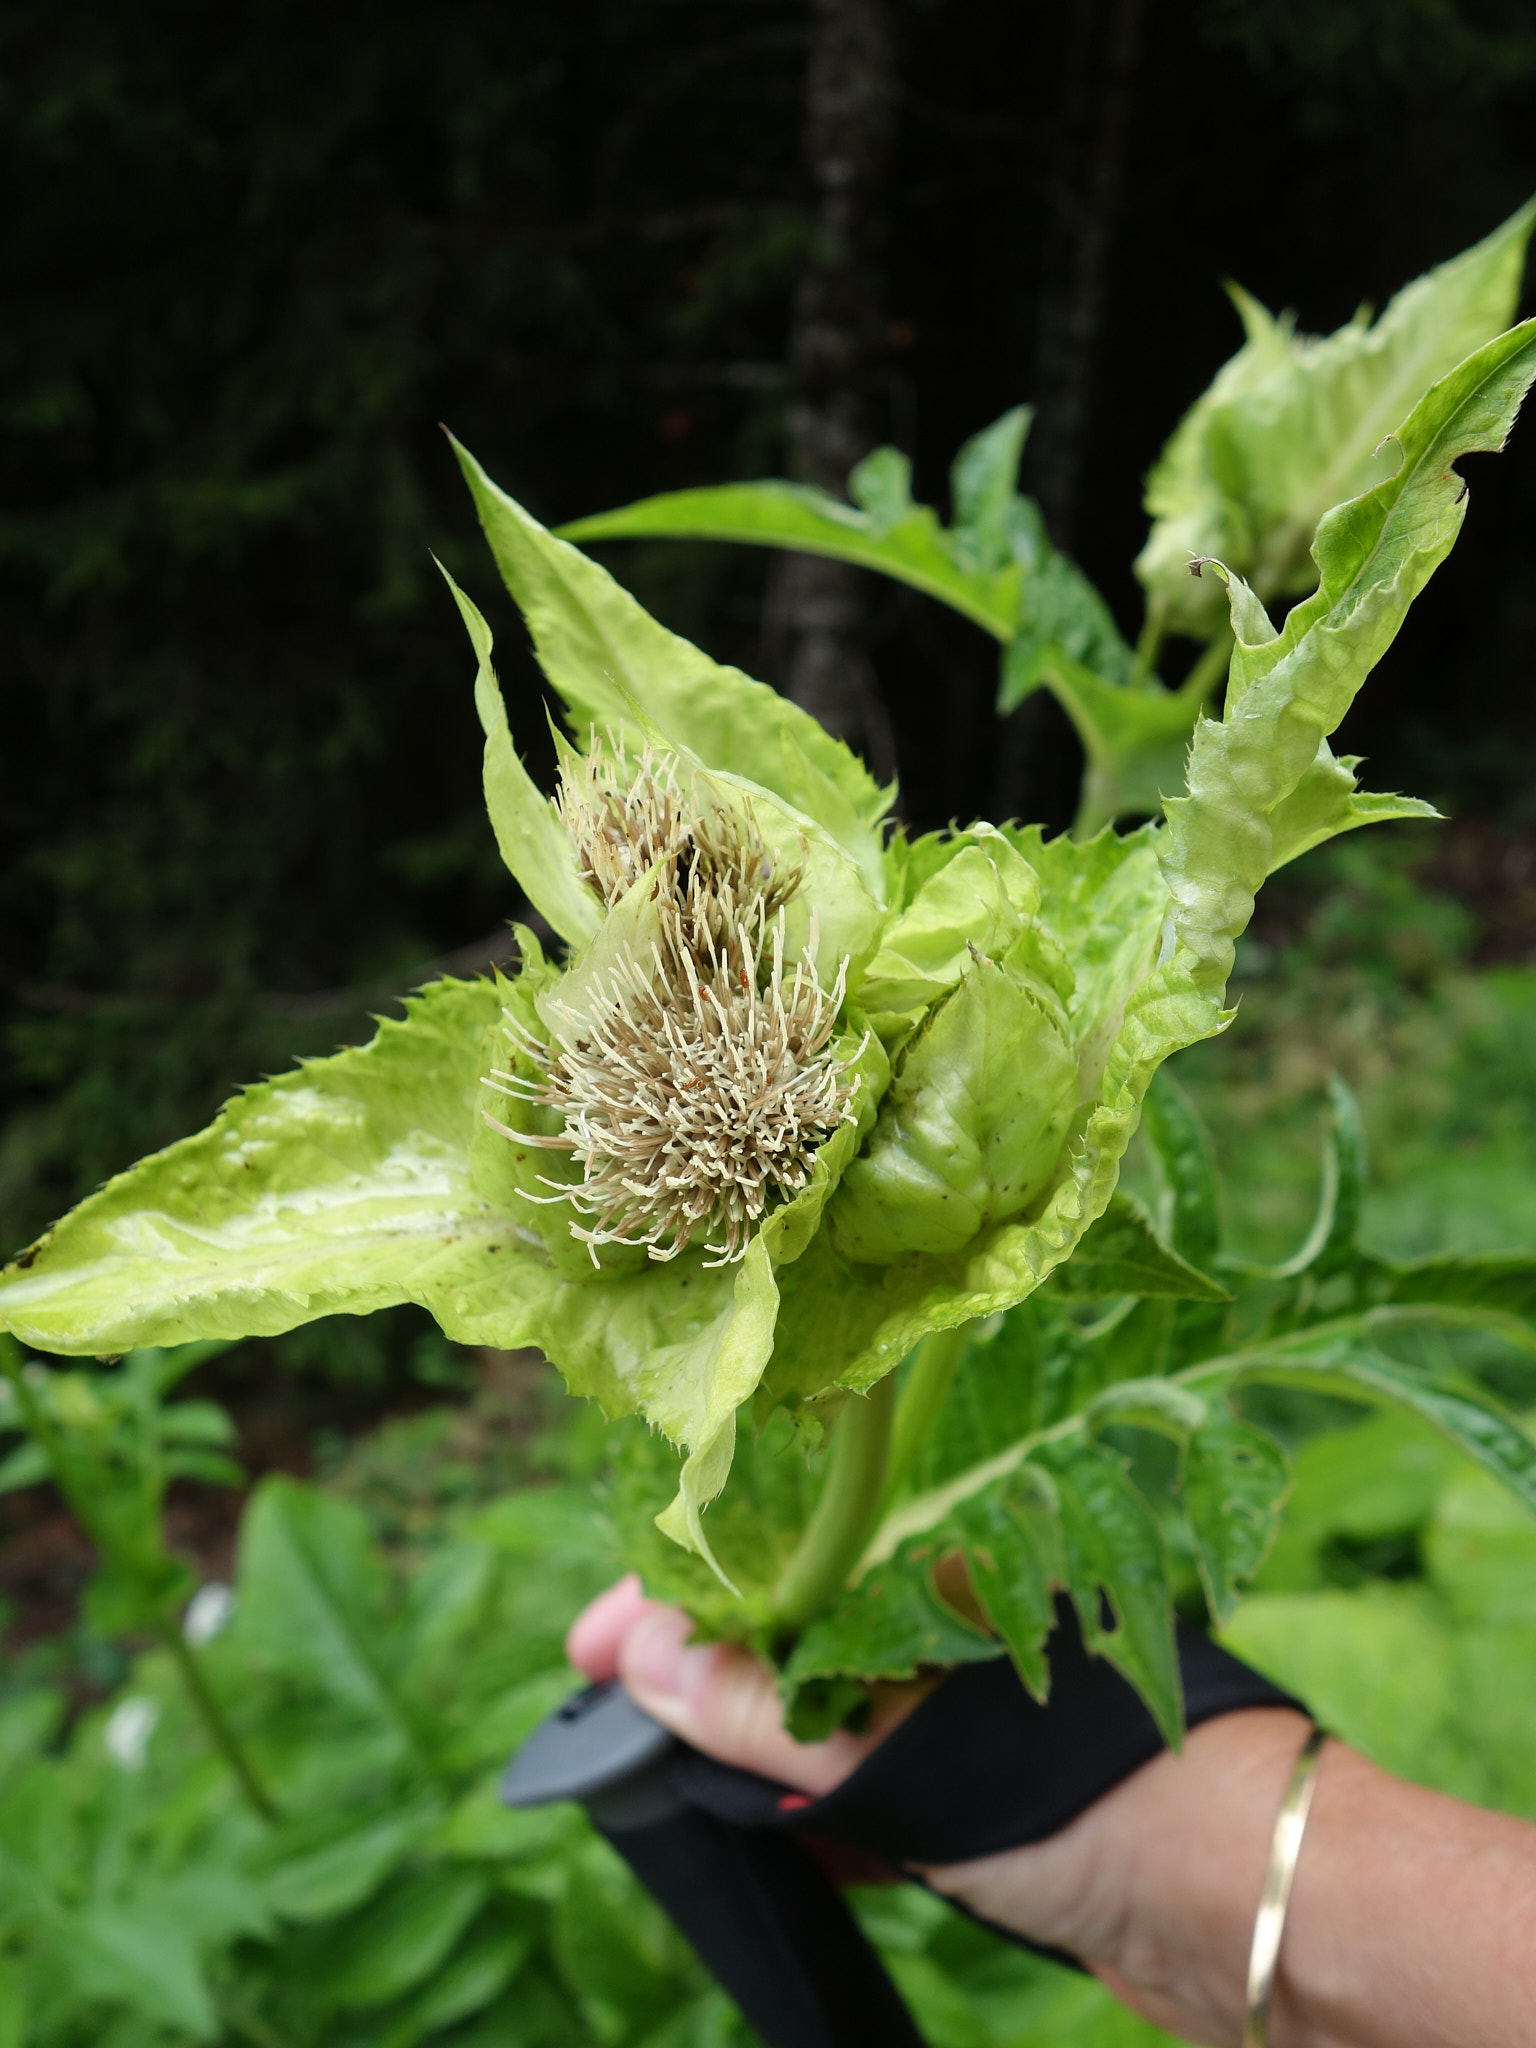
{"x":1269,"y":1926}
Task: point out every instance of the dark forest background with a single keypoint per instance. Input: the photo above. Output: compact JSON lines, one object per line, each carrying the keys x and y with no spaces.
{"x":252,"y":256}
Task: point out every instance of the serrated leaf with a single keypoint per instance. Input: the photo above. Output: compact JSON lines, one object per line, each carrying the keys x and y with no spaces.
{"x":1106,"y":903}
{"x":531,"y":839}
{"x":1122,"y":1254}
{"x":995,"y":566}
{"x":982,"y":897}
{"x":344,"y":1185}
{"x":370,"y":1178}
{"x":1060,"y":613}
{"x":1456,"y":1407}
{"x":1234,"y":1482}
{"x":1014,"y":1556}
{"x":1113,"y":1546}
{"x":603,"y":651}
{"x":1292,"y":425}
{"x":890,"y":1625}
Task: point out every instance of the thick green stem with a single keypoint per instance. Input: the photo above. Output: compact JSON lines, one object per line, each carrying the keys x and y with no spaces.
{"x":927,"y":1381}
{"x":844,"y":1516}
{"x":1153,"y":632}
{"x":220,"y":1734}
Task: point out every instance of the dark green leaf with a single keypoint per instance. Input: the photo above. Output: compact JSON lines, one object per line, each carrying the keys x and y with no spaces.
{"x":890,"y":1625}
{"x":1331,"y":1242}
{"x":400,"y":1940}
{"x":1014,"y":1555}
{"x":1113,"y":1547}
{"x":1454,"y":1406}
{"x":312,"y":1593}
{"x":1502,"y":1282}
{"x":1183,"y":1150}
{"x":320,"y":1865}
{"x":1234,"y":1484}
{"x":1122,"y":1254}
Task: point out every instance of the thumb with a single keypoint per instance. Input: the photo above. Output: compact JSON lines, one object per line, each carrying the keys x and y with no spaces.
{"x":723,"y":1701}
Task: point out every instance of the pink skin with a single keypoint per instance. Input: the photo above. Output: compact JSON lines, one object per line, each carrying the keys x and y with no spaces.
{"x":713,"y":1694}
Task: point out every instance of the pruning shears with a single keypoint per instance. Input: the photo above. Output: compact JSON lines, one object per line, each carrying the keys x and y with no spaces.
{"x":758,"y":1908}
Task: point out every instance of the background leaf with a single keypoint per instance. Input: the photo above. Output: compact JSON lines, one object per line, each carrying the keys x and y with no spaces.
{"x":1292,"y":426}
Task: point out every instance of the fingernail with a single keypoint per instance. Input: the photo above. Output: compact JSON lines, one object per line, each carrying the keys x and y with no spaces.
{"x":658,"y":1659}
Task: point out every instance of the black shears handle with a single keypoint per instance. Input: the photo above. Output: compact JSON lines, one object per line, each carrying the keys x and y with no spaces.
{"x":759,"y":1910}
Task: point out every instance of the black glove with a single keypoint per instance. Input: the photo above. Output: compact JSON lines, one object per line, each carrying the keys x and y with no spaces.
{"x":978,"y":1767}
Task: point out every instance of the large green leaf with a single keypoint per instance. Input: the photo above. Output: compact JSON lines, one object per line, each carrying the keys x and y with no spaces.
{"x":995,"y":565}
{"x":603,"y":652}
{"x":370,"y":1178}
{"x":1457,"y":1408}
{"x":912,"y":547}
{"x":343,"y":1185}
{"x":400,"y":1939}
{"x":1292,"y":426}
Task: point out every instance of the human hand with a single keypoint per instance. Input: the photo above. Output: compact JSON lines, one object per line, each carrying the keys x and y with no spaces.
{"x":1085,"y":1889}
{"x":1407,"y":1923}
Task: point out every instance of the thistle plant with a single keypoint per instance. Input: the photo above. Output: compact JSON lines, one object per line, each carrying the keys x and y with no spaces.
{"x":802,"y":1100}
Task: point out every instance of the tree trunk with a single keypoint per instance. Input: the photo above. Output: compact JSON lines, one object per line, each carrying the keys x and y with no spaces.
{"x":1095,"y":107}
{"x":815,"y":621}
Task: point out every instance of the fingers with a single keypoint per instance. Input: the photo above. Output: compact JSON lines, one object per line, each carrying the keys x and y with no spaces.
{"x":595,"y":1635}
{"x":716,"y":1696}
{"x":723,"y":1701}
